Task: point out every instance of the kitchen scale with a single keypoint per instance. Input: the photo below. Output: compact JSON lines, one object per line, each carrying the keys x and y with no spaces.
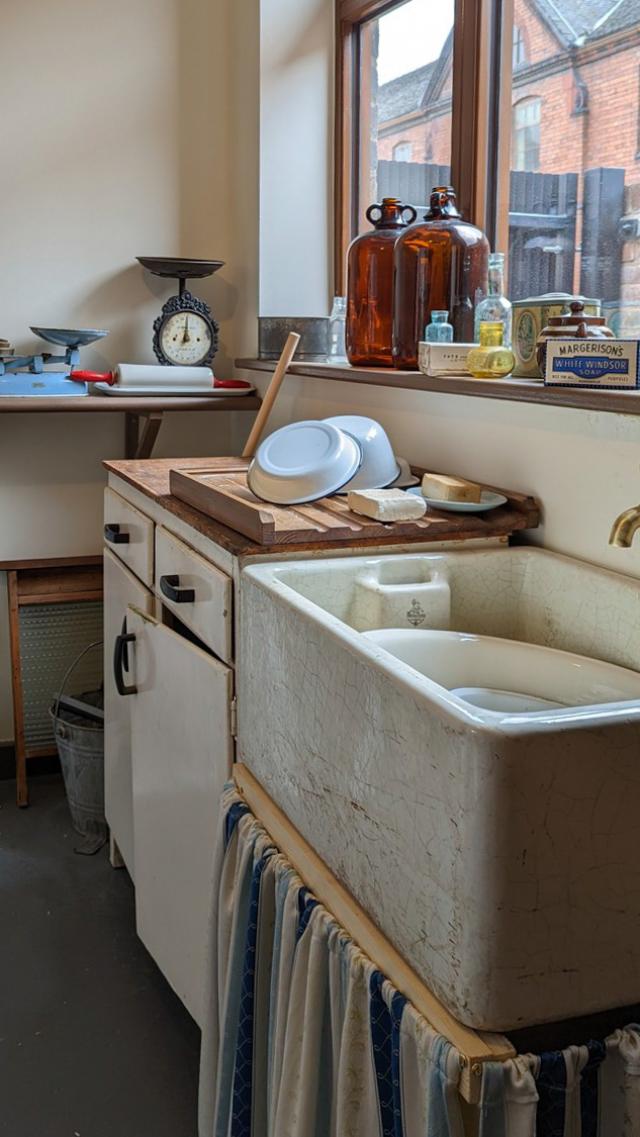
{"x":185,"y":333}
{"x":25,"y":375}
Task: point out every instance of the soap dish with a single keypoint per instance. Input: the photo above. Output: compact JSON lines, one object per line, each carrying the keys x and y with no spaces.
{"x":488,"y":500}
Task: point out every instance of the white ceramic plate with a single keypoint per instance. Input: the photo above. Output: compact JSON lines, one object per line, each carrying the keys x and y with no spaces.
{"x":489,"y":500}
{"x":302,"y":462}
{"x":171,"y":392}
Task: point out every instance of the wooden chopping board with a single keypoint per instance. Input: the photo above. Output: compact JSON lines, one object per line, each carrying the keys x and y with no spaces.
{"x":220,"y":491}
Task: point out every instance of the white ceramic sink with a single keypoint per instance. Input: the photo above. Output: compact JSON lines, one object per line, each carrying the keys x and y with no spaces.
{"x":506,"y":677}
{"x":494,"y":841}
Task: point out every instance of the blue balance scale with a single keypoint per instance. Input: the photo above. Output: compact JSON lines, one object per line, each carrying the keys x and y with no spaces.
{"x":28,"y":375}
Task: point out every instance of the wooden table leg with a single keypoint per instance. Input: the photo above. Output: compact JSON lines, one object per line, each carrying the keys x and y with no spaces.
{"x":22,"y":788}
{"x":131,"y":433}
{"x":139,"y":444}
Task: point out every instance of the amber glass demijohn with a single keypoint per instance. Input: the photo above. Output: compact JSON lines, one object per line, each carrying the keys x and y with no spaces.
{"x":440,"y":263}
{"x":370,"y":285}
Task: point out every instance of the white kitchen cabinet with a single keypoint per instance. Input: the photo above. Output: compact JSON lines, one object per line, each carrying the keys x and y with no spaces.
{"x":195,"y":591}
{"x":129,"y":533}
{"x":121,"y":588}
{"x":182,"y":749}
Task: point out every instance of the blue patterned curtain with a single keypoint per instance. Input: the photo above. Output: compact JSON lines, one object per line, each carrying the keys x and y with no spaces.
{"x":306,"y":1038}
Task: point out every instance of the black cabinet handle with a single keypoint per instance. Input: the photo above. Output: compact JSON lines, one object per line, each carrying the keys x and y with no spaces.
{"x":113,"y":535}
{"x":121,"y":660}
{"x":170,"y":587}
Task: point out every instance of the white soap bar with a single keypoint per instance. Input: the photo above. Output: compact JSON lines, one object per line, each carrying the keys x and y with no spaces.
{"x":386,"y":505}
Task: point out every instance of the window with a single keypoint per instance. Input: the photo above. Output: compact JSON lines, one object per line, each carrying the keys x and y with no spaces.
{"x":573,"y":186}
{"x":409,"y":87}
{"x":403,"y":152}
{"x":526,"y":135}
{"x":519,"y":48}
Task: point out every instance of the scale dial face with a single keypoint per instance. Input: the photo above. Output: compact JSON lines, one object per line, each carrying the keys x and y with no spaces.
{"x":186,"y":339}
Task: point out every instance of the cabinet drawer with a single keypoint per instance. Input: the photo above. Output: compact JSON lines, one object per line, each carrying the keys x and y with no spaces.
{"x":197,"y":592}
{"x":129,"y":535}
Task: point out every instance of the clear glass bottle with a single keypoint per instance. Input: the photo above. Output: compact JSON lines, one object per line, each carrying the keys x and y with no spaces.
{"x":337,"y":331}
{"x":491,"y":360}
{"x":495,"y":308}
{"x":439,"y":330}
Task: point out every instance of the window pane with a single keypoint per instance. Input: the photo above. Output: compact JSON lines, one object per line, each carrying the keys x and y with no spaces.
{"x":405,"y":103}
{"x":574,"y":223}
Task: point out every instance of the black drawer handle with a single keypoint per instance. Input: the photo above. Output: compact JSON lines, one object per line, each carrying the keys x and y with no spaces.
{"x":113,"y":535}
{"x":170,"y":587}
{"x":121,"y":660}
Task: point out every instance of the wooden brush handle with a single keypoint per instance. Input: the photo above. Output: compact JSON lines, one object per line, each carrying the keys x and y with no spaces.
{"x":271,"y":394}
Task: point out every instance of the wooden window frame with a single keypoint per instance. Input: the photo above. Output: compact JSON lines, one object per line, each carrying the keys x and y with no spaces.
{"x":481,"y":126}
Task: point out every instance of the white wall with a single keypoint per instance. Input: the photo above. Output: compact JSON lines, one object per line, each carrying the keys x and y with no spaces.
{"x":296,"y":170}
{"x":583,"y":467}
{"x":127,"y":128}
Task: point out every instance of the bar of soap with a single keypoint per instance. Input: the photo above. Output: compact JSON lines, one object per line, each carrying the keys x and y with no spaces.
{"x":444,"y":488}
{"x":386,"y":505}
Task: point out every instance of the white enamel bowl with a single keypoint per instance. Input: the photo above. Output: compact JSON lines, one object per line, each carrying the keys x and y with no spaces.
{"x":379,"y":467}
{"x":303,"y":461}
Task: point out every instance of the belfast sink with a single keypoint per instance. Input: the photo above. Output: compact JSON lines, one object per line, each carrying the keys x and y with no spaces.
{"x":506,"y":677}
{"x":458,"y":736}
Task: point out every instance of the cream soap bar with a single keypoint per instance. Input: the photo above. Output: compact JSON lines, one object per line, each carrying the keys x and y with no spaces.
{"x":386,"y":505}
{"x":444,"y":488}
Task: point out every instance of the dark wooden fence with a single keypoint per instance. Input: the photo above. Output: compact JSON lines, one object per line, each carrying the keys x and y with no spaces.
{"x":542,"y":225}
{"x":542,"y":233}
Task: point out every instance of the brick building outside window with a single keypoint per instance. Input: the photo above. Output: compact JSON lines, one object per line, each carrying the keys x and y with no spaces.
{"x":576,"y":104}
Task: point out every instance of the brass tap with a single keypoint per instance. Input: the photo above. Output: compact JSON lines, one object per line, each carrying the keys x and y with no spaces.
{"x":625,"y":528}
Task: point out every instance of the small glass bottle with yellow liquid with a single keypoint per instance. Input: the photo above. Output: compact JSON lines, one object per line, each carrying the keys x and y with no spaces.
{"x":491,"y":359}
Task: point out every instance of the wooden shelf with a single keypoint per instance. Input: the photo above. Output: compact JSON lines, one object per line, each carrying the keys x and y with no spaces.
{"x":510,"y":390}
{"x":74,"y":404}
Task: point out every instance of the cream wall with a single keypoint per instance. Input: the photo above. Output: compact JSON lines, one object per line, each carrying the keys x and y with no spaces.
{"x":296,"y":169}
{"x":127,"y":128}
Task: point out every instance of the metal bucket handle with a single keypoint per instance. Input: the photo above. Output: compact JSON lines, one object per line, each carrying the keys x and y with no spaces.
{"x":69,"y":672}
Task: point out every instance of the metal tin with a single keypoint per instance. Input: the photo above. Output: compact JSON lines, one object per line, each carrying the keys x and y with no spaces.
{"x":313,"y":330}
{"x":530,"y":316}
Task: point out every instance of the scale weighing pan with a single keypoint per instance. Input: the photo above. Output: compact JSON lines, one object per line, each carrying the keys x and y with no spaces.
{"x":180,"y":268}
{"x":70,"y":337}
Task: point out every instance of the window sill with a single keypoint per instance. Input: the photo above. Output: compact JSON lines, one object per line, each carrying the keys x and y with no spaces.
{"x":512,"y":390}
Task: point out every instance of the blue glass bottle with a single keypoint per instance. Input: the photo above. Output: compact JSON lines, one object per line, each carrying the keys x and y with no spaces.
{"x":439,"y":330}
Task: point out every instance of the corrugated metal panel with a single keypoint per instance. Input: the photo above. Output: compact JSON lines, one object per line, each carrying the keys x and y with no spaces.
{"x":51,"y":636}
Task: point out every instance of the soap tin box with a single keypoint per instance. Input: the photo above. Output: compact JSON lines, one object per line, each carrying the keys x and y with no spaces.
{"x":441,"y":359}
{"x":605,"y":365}
{"x":529,"y":318}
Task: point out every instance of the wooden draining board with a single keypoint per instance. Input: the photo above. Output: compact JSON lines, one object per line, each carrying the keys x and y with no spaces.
{"x":220,"y":490}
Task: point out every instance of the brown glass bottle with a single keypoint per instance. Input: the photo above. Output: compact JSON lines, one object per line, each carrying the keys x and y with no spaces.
{"x":370,"y":285}
{"x":440,"y":263}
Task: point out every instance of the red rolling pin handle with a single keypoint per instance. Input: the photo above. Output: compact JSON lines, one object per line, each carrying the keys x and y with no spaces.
{"x":94,"y":377}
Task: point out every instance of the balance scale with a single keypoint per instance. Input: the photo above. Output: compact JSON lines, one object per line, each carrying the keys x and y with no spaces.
{"x":25,"y":375}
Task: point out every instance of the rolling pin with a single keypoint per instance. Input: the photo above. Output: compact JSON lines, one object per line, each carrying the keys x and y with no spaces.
{"x":149,"y":375}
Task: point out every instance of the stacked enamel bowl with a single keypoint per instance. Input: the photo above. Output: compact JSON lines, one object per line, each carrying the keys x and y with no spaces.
{"x":308,"y":460}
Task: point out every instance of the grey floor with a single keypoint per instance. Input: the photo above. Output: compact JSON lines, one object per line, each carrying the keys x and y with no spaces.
{"x":93,"y":1043}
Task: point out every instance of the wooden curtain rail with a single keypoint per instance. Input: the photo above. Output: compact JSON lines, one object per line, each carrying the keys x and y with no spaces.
{"x":475,"y":1047}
